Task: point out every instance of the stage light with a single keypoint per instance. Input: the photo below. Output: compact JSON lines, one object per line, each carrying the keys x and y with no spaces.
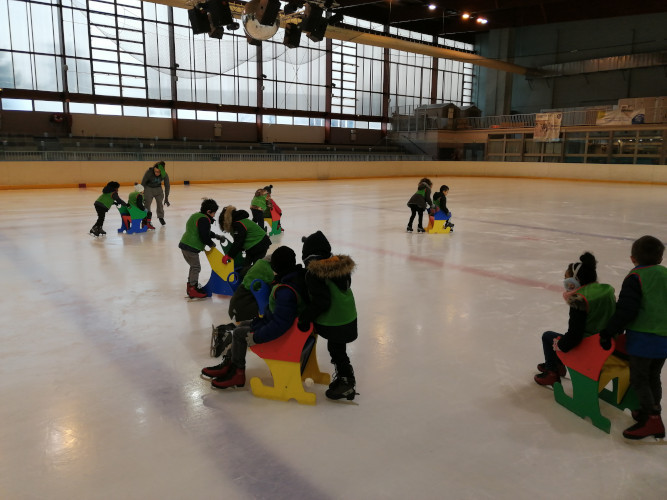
{"x":312,"y":18}
{"x":465,"y":16}
{"x":317,"y":34}
{"x":292,"y":36}
{"x":267,"y":12}
{"x":199,"y":20}
{"x":432,"y":6}
{"x":219,"y":13}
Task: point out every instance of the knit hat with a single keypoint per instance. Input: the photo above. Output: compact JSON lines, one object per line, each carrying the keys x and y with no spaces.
{"x":283,"y":260}
{"x":268,"y":188}
{"x":315,"y":245}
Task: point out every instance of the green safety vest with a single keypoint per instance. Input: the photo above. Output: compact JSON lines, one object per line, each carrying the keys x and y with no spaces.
{"x":601,"y":304}
{"x":132,"y":199}
{"x":255,"y":233}
{"x":259,"y":201}
{"x":652,"y":317}
{"x":191,"y":235}
{"x":342,"y":310}
{"x":106,"y":199}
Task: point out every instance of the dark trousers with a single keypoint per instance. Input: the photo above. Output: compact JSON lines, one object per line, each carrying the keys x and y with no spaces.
{"x":416,"y":211}
{"x":340,"y":359}
{"x":645,"y":379}
{"x":101,"y":214}
{"x":551,"y":360}
{"x":258,"y":217}
{"x":253,"y":254}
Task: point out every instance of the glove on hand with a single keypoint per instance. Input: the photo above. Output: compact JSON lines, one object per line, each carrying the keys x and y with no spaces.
{"x":166,"y":202}
{"x":303,"y":325}
{"x":226,"y":259}
{"x":605,"y":342}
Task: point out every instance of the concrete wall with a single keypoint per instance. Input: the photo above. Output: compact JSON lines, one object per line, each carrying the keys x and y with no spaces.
{"x":72,"y":174}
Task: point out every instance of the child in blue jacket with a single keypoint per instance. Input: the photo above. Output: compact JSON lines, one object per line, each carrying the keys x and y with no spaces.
{"x":285,"y":304}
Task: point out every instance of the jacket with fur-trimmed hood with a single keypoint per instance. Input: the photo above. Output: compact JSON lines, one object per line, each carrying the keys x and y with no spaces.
{"x":337,"y":269}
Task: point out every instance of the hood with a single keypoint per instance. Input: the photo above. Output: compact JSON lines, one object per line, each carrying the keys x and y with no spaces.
{"x":229,"y":216}
{"x":336,"y":266}
{"x":315,"y":246}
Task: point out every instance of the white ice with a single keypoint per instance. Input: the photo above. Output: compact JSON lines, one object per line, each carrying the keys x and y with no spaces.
{"x":101,"y":396}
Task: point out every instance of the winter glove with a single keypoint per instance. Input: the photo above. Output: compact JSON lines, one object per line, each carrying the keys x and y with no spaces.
{"x":166,"y":202}
{"x":226,"y":259}
{"x":212,"y":245}
{"x":605,"y":342}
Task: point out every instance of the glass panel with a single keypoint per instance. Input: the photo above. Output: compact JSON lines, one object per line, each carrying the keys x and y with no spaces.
{"x":207,"y":115}
{"x":17,"y":104}
{"x":246,"y":118}
{"x":159,"y":113}
{"x":186,"y":114}
{"x":226,"y":117}
{"x":50,"y":106}
{"x":135,"y":111}
{"x":109,"y":109}
{"x":82,"y":108}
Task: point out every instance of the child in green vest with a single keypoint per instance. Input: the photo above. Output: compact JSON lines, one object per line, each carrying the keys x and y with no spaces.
{"x":197,"y":236}
{"x":641,"y":311}
{"x":134,"y":199}
{"x":247,"y":235}
{"x":260,"y":204}
{"x":331,"y":308}
{"x":591,"y":305}
{"x":285,"y":303}
{"x":419,"y":202}
{"x":103,"y":204}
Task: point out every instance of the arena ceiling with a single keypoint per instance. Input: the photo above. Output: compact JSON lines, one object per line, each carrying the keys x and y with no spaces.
{"x":445,"y":18}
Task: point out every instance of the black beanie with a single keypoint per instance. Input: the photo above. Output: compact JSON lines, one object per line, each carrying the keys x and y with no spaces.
{"x":283,"y":260}
{"x":315,"y":245}
{"x":268,"y":188}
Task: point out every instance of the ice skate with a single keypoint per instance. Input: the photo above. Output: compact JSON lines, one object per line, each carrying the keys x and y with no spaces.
{"x":95,"y":231}
{"x":162,"y":221}
{"x":409,"y":229}
{"x":420,"y":229}
{"x":195,"y":292}
{"x":648,"y":425}
{"x":218,"y":371}
{"x":221,"y":338}
{"x":235,"y":377}
{"x":342,"y":385}
{"x":147,"y":223}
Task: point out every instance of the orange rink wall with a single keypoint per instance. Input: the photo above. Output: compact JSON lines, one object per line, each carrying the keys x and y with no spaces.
{"x":59,"y":174}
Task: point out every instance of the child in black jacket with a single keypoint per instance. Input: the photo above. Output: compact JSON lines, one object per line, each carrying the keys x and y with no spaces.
{"x":331,"y":308}
{"x":102,"y":205}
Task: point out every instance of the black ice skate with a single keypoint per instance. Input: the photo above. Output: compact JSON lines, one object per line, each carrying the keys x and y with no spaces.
{"x":221,"y":339}
{"x":409,"y":229}
{"x":340,"y":388}
{"x":95,"y":231}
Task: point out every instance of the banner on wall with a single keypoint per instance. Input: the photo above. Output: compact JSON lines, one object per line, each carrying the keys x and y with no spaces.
{"x":625,"y":115}
{"x":547,"y":127}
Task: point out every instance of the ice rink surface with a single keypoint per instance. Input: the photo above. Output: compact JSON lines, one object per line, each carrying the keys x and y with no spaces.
{"x":101,"y":354}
